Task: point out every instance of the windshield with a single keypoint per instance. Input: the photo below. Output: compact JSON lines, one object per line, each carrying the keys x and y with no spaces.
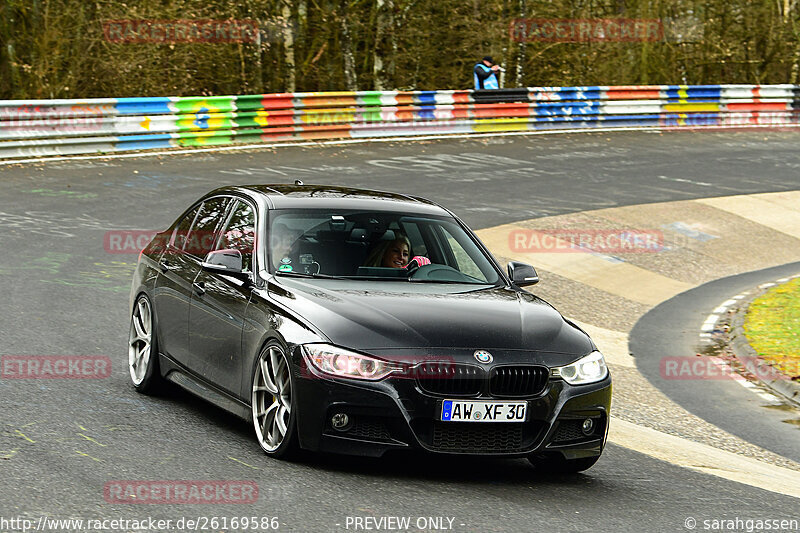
{"x":376,"y":246}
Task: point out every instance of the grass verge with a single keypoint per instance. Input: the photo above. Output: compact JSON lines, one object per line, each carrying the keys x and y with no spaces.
{"x":772,"y":327}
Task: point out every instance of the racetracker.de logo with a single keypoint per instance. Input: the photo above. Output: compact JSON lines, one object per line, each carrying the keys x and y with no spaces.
{"x":127,"y":241}
{"x":586,"y":30}
{"x":421,"y":367}
{"x":55,"y":366}
{"x":706,"y":367}
{"x":181,"y":491}
{"x":193,"y":242}
{"x":181,"y":31}
{"x":603,"y":241}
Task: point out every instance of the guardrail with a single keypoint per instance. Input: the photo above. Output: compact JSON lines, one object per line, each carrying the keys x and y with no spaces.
{"x":33,"y":128}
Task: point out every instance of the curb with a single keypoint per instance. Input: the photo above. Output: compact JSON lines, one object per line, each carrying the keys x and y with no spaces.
{"x":748,"y":357}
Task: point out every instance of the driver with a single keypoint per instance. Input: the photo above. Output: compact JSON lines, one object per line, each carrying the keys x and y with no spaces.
{"x":394,"y":254}
{"x":390,"y":254}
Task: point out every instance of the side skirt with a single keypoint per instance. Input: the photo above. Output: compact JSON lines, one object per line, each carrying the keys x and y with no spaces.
{"x":175,"y":373}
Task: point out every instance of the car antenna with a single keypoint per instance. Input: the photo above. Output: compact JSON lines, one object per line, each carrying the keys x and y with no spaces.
{"x":298,"y":182}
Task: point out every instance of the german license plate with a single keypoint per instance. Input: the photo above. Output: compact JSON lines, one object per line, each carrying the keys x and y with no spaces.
{"x":465,"y":411}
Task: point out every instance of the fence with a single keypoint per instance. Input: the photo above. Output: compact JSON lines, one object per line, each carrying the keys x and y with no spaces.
{"x":33,"y":128}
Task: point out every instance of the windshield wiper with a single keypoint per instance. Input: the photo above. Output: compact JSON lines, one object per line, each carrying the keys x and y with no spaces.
{"x":448,"y":281}
{"x":311,"y":276}
{"x":293,"y":274}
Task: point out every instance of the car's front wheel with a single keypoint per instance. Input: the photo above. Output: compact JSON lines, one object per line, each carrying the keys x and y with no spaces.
{"x":273,"y":403}
{"x":556,"y":464}
{"x":143,"y":348}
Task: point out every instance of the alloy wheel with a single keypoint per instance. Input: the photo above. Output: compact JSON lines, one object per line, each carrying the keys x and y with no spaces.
{"x":141,"y":340}
{"x":272,"y":398}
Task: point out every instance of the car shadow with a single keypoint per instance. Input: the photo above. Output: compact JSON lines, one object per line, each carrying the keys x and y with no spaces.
{"x":421,"y":465}
{"x":400,"y":464}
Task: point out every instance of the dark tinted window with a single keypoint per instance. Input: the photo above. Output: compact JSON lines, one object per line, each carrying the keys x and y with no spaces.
{"x":201,"y":238}
{"x":240,"y":233}
{"x":182,"y":230}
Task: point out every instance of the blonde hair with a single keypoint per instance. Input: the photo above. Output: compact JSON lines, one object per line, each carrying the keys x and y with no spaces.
{"x":375,"y":257}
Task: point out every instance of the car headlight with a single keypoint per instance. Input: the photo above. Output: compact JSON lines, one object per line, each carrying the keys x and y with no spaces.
{"x":588,"y":369}
{"x":343,"y":363}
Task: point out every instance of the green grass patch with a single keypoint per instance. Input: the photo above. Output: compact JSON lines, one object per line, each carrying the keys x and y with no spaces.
{"x":772,"y":326}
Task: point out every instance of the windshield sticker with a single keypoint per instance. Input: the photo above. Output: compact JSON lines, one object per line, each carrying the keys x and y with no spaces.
{"x":285,"y":268}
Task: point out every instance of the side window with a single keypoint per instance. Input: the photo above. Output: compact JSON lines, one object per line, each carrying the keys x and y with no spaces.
{"x":240,"y":233}
{"x":417,"y":242}
{"x":465,"y":262}
{"x":201,"y":238}
{"x":182,"y":230}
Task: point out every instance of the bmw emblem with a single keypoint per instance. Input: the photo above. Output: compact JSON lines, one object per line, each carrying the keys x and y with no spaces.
{"x":483,"y":356}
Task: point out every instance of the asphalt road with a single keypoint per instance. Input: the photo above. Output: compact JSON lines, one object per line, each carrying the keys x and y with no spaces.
{"x":673,"y":327}
{"x":64,"y":294}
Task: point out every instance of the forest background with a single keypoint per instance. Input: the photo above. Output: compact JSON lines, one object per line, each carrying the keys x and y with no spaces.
{"x":61,"y":49}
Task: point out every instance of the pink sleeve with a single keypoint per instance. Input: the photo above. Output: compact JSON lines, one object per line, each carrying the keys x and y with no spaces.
{"x":421,"y":260}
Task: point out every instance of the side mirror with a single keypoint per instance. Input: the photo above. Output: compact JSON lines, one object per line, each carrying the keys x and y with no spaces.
{"x":522,"y":274}
{"x":228,"y":262}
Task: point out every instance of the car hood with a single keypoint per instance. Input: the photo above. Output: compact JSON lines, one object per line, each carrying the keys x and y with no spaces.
{"x":387,"y":316}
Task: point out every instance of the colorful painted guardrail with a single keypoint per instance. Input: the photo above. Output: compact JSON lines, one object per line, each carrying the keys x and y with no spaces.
{"x":34,"y":128}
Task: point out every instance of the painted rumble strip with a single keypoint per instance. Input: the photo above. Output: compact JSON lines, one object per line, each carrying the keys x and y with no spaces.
{"x":36,"y":128}
{"x":724,"y":246}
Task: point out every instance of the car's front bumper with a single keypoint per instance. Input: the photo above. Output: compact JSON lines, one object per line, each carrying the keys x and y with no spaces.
{"x":396,"y":414}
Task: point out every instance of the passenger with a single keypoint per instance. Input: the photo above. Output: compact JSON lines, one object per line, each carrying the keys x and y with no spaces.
{"x":390,"y":254}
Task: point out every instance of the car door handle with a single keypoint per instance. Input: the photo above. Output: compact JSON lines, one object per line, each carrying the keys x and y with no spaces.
{"x":164,"y":266}
{"x":199,"y":287}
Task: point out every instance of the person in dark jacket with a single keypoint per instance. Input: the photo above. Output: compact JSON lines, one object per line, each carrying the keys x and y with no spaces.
{"x":485,"y":74}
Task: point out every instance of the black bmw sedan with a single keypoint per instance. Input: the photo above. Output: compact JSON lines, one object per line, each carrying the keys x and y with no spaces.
{"x":358,"y":322}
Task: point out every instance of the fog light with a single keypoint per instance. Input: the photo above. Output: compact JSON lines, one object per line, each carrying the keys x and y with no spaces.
{"x":587,"y":427}
{"x":340,"y":421}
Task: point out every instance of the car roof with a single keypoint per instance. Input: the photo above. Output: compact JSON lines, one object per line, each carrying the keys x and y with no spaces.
{"x":299,"y":196}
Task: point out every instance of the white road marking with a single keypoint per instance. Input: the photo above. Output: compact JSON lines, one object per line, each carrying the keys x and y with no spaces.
{"x":684,"y":180}
{"x":704,"y":458}
{"x":769,"y":398}
{"x":725,"y":366}
{"x":710,"y":324}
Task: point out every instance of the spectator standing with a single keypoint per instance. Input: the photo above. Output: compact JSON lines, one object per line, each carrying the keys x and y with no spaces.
{"x":485,"y":74}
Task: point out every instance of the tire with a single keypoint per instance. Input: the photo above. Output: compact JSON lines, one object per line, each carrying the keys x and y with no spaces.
{"x":273,"y":404}
{"x":556,"y":464}
{"x":143,"y":348}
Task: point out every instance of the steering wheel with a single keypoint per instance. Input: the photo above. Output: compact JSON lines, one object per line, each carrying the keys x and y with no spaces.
{"x":436,"y":272}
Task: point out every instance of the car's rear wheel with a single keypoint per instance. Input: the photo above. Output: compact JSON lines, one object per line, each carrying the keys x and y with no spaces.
{"x":143,"y":348}
{"x":273,"y":403}
{"x":556,"y":464}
